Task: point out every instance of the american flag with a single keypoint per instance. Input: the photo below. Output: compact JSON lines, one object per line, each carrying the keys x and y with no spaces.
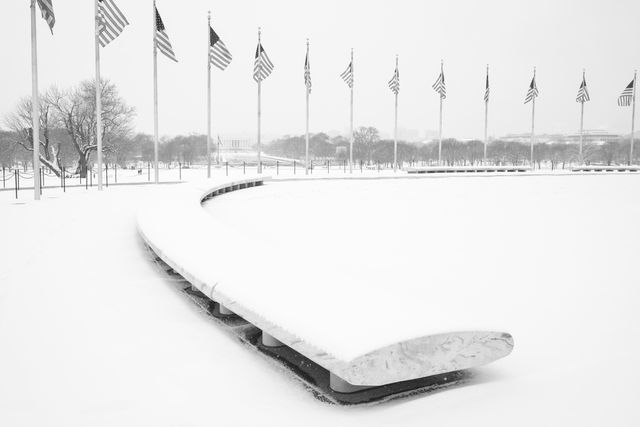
{"x":532,"y":93}
{"x":439,"y":85}
{"x":347,"y":75}
{"x":219,"y":55}
{"x":583,"y":92}
{"x":394,"y":83}
{"x":162,"y":39}
{"x":307,"y":72}
{"x":46,"y":7}
{"x":263,"y":65}
{"x":486,"y":91}
{"x":624,"y":100}
{"x":112,"y":22}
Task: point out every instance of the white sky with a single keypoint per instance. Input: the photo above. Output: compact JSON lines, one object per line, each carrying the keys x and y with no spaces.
{"x":559,"y":37}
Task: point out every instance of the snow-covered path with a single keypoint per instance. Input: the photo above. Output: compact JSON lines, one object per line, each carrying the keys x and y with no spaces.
{"x":93,"y":333}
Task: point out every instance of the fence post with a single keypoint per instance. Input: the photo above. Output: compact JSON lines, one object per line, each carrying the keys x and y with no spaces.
{"x":40,"y":178}
{"x":179,"y":171}
{"x":277,"y":167}
{"x":244,"y":167}
{"x":3,"y":182}
{"x":106,"y":174}
{"x":344,"y":166}
{"x":328,"y":166}
{"x":294,"y":167}
{"x":86,"y":179}
{"x":148,"y":171}
{"x":64,"y":179}
{"x":360,"y":166}
{"x":311,"y":167}
{"x":16,"y":176}
{"x":115,"y":172}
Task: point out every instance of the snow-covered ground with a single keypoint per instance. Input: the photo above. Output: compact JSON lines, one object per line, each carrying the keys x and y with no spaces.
{"x":92,"y":332}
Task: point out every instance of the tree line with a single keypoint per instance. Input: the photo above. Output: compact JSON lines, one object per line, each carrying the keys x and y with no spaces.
{"x":68,"y":140}
{"x":368,"y":147}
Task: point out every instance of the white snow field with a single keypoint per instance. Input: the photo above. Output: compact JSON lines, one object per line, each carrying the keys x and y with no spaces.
{"x":92,"y":332}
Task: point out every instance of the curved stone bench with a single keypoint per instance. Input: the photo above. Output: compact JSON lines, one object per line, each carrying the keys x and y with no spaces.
{"x":220,"y":262}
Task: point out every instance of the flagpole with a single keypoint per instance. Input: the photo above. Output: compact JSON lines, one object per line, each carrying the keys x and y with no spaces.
{"x":35,"y":104}
{"x":208,"y":96}
{"x":259,"y":90}
{"x":98,"y":97}
{"x":351,"y":118}
{"x":633,"y":116}
{"x":395,"y":128}
{"x":580,"y":155}
{"x":533,"y":119}
{"x":155,"y":95}
{"x":306,"y":149}
{"x":486,"y":119}
{"x":219,"y":148}
{"x":440,"y":133}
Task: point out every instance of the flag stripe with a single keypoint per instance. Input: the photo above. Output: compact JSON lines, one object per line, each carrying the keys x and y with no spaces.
{"x":625,"y":99}
{"x":307,"y":72}
{"x":532,"y":92}
{"x":46,"y":8}
{"x":219,"y":55}
{"x":162,"y":39}
{"x":347,"y":75}
{"x":486,"y":92}
{"x":112,"y":22}
{"x":394,"y":83}
{"x":439,"y":86}
{"x":583,"y":93}
{"x":263,"y":66}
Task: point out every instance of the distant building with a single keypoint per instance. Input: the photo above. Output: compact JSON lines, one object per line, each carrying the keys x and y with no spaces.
{"x":589,"y":136}
{"x":235,"y":145}
{"x":594,"y":136}
{"x":526,"y":137}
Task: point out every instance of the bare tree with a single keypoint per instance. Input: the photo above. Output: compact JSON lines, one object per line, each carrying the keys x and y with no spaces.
{"x":76,"y":113}
{"x":20,"y":122}
{"x":364,"y":139}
